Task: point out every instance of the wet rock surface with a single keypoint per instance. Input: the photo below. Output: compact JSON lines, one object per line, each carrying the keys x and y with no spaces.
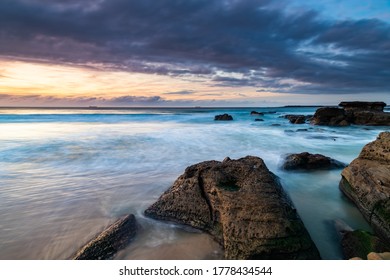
{"x":359,"y":243}
{"x":110,"y":241}
{"x":242,"y":205}
{"x":366,"y":181}
{"x":307,"y":161}
{"x":297,"y":119}
{"x":331,"y":116}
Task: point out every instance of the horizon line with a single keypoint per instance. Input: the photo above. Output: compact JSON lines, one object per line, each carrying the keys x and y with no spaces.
{"x":155,"y":107}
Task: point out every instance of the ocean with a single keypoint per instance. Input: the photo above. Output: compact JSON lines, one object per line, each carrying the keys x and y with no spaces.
{"x":66,"y":174}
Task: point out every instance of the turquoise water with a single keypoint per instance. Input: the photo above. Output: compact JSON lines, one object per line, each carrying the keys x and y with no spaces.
{"x":66,"y":174}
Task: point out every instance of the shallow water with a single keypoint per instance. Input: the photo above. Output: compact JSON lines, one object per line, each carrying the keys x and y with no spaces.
{"x":67,"y":174}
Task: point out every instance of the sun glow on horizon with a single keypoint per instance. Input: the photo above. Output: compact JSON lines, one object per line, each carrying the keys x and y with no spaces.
{"x":19,"y":79}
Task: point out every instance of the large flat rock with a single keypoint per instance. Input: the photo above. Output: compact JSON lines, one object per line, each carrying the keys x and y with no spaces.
{"x":358,"y":113}
{"x":242,"y":205}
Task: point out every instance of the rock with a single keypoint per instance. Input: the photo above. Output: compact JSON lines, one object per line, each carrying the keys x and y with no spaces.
{"x":110,"y":241}
{"x":363,"y":106}
{"x":371,"y":118}
{"x":378,"y":256}
{"x":296,"y":119}
{"x":342,"y":227}
{"x":359,"y":113}
{"x":375,"y":256}
{"x":259,"y":120}
{"x":331,"y":116}
{"x":359,"y":243}
{"x":270,"y":112}
{"x":276,"y":124}
{"x":307,"y":161}
{"x":224,"y":117}
{"x":366,"y":181}
{"x":257,"y":113}
{"x":242,"y":205}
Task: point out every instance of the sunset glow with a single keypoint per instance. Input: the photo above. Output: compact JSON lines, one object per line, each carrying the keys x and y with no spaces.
{"x":193,"y":53}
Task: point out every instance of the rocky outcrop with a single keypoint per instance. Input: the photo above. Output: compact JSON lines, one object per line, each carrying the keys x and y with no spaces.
{"x":223,"y":117}
{"x":307,"y":161}
{"x":366,"y":181}
{"x":359,"y":113}
{"x":110,"y":241}
{"x":242,"y":205}
{"x":259,"y":120}
{"x":330,"y":116}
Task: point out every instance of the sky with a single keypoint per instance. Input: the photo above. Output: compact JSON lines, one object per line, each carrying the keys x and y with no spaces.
{"x":193,"y":52}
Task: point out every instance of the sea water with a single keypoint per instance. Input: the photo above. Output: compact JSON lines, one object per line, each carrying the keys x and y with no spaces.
{"x":66,"y":174}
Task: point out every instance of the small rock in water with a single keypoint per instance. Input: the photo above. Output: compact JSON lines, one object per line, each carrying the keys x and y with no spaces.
{"x":307,"y":161}
{"x":110,"y":241}
{"x":257,"y":113}
{"x":223,"y":117}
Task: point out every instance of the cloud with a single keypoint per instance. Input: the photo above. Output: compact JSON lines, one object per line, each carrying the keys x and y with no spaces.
{"x":35,"y":99}
{"x":181,"y":92}
{"x":263,"y":42}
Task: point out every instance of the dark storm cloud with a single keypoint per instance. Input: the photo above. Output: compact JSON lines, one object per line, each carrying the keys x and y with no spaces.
{"x":207,"y":38}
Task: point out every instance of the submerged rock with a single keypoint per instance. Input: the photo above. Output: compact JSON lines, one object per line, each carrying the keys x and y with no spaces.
{"x":259,"y":120}
{"x":360,"y":243}
{"x":366,"y":181}
{"x":307,"y":161}
{"x":297,"y":119}
{"x":224,"y":117}
{"x":242,"y":205}
{"x":257,"y":113}
{"x":110,"y":241}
